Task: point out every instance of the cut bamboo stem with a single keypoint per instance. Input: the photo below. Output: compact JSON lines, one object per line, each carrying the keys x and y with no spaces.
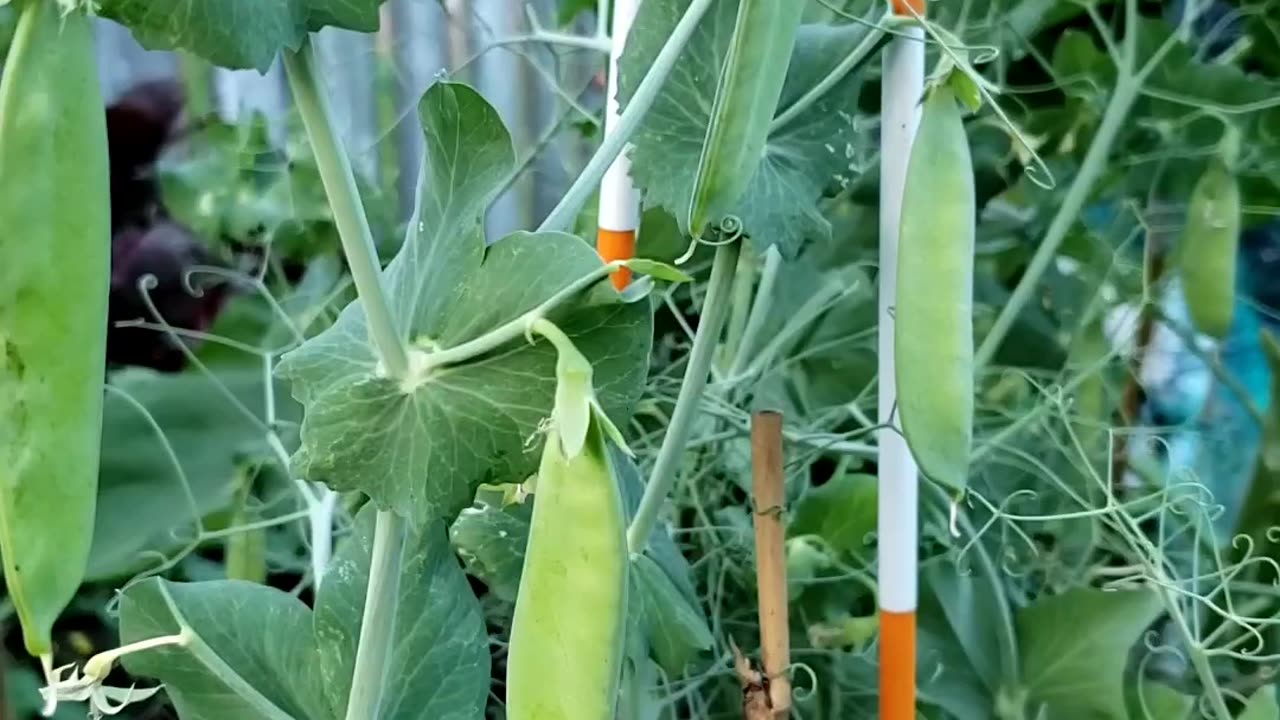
{"x":771,"y":564}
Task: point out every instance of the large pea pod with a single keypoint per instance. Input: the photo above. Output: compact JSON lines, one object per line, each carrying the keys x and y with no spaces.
{"x":751,"y":79}
{"x":568,"y":631}
{"x":1207,"y":251}
{"x":55,"y":267}
{"x":933,"y":310}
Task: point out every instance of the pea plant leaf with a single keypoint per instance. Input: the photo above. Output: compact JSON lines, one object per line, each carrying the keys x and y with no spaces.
{"x":821,"y":147}
{"x":491,"y":541}
{"x":257,"y":653}
{"x":676,"y":630}
{"x":662,"y":547}
{"x":237,"y":34}
{"x":423,"y":445}
{"x":1077,"y":668}
{"x":440,"y":665}
{"x":1156,"y":701}
{"x":963,"y":605}
{"x":256,"y":636}
{"x":229,"y":181}
{"x":146,"y":504}
{"x":842,"y":512}
{"x":959,"y":655}
{"x":1262,"y":705}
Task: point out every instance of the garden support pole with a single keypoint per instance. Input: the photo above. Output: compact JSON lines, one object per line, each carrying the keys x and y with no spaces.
{"x":619,"y":215}
{"x":899,"y":485}
{"x":768,"y":487}
{"x":563,"y":214}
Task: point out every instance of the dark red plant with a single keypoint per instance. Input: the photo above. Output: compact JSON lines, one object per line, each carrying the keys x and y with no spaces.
{"x":152,"y":255}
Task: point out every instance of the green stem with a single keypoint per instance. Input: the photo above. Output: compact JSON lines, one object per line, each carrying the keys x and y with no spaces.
{"x":245,"y":551}
{"x":348,"y":212}
{"x":1008,"y":634}
{"x":197,"y":80}
{"x":1025,"y":420}
{"x":744,"y":281}
{"x":629,"y":707}
{"x":759,"y":311}
{"x":1151,"y":558}
{"x":373,"y":653}
{"x":511,"y":329}
{"x":562,"y":216}
{"x":714,"y":311}
{"x":1114,"y":119}
{"x":860,"y":53}
{"x":602,"y":19}
{"x":813,"y":308}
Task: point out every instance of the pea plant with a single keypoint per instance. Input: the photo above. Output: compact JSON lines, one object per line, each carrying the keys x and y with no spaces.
{"x":965,"y":257}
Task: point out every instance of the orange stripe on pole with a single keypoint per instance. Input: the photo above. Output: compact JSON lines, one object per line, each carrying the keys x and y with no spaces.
{"x":905,"y":7}
{"x":619,"y":216}
{"x":897,"y":665}
{"x":617,"y":245}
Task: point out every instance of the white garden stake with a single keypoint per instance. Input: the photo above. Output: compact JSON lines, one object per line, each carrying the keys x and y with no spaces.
{"x":902,"y":87}
{"x":619,"y":216}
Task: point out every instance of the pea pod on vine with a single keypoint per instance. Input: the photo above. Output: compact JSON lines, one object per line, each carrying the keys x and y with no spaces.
{"x":933,"y":310}
{"x":751,"y":80}
{"x":54,"y":277}
{"x":567,"y":633}
{"x":1208,"y":249}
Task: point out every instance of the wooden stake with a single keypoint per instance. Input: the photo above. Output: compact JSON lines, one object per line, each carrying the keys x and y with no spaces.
{"x":771,"y":563}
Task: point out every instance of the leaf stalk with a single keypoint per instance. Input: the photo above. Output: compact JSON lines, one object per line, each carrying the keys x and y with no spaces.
{"x":519,"y":326}
{"x":344,"y":199}
{"x":715,"y":310}
{"x":373,"y":650}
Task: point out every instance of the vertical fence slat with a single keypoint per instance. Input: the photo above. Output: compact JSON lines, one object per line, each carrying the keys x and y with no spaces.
{"x":240,"y":93}
{"x":496,"y":72}
{"x":347,"y":64}
{"x":123,"y":63}
{"x":416,"y":29}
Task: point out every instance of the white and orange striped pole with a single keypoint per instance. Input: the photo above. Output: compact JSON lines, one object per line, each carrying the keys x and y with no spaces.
{"x":902,"y":86}
{"x":619,"y":215}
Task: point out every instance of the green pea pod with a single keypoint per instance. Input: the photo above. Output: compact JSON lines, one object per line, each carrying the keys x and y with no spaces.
{"x":246,"y":550}
{"x":1207,"y":252}
{"x":55,"y":267}
{"x":567,"y":634}
{"x":751,"y":79}
{"x":933,"y":310}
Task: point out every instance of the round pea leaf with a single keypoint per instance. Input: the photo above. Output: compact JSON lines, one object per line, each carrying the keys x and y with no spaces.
{"x":1077,"y":668}
{"x":491,"y":541}
{"x":237,"y":34}
{"x":820,"y":147}
{"x":422,"y":448}
{"x":676,"y":629}
{"x":258,"y":653}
